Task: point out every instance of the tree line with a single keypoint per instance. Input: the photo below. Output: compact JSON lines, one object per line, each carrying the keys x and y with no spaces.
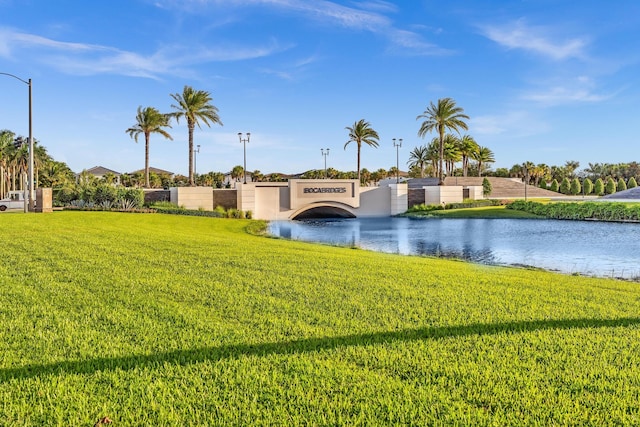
{"x":449,"y":153}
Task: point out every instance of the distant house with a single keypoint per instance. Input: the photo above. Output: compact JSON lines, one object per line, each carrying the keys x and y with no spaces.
{"x":231,"y":182}
{"x":101,"y":172}
{"x":157,"y":171}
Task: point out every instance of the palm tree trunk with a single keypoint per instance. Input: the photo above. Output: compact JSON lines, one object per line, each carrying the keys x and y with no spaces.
{"x":441,"y":157}
{"x":358,"y":161}
{"x":146,"y":159}
{"x":191,"y":128}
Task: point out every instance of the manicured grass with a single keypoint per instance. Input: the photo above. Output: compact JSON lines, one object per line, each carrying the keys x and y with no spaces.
{"x":487,"y":212}
{"x":165,"y":320}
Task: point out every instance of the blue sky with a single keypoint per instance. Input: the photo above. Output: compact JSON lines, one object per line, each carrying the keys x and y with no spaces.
{"x":542,"y":81}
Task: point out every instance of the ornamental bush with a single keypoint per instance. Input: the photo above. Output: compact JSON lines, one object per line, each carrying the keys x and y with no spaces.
{"x":587,"y":186}
{"x":610,"y":188}
{"x":598,"y":188}
{"x":486,"y":187}
{"x":632,"y":183}
{"x":576,"y":188}
{"x":565,"y":186}
{"x":554,"y":185}
{"x":621,"y":185}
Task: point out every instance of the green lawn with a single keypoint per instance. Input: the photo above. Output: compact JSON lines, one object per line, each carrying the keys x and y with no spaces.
{"x":488,"y":212}
{"x":167,"y":320}
{"x":485,"y":212}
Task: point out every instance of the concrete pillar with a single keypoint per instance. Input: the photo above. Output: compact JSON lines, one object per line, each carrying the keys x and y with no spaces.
{"x":247,"y":197}
{"x":399,"y":198}
{"x":44,"y":200}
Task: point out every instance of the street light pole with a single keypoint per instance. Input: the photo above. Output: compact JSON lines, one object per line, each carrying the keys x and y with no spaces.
{"x":244,"y":142}
{"x":31,"y":206}
{"x":397,"y":145}
{"x":325,"y":153}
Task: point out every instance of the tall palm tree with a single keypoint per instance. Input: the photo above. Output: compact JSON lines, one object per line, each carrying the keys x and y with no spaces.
{"x":360,"y":132}
{"x":483,"y":155}
{"x":418,"y":158}
{"x":149,"y":120}
{"x":446,"y":115}
{"x":194,"y":106}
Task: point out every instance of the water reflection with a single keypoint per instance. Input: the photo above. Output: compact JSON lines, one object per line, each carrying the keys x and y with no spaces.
{"x":590,"y":248}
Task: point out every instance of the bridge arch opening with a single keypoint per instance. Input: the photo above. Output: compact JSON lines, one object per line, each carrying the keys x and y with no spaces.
{"x":321,"y":212}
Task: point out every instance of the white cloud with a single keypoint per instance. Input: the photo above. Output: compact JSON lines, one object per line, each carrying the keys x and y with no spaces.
{"x":512,"y":123}
{"x":518,"y":35}
{"x":89,"y":59}
{"x":364,"y":16}
{"x":579,"y":90}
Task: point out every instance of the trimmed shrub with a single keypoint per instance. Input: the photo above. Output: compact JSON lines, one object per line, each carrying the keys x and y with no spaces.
{"x":588,"y":186}
{"x":610,"y":188}
{"x":554,"y":185}
{"x":565,"y":186}
{"x":486,"y":187}
{"x":598,"y":188}
{"x":543,"y":184}
{"x":632,"y":183}
{"x":621,"y":185}
{"x":576,"y":188}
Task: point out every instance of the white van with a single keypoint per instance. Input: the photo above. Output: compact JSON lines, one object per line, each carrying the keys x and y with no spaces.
{"x":14,"y":200}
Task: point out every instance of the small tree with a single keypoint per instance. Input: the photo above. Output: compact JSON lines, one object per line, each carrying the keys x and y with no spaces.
{"x":621,"y":185}
{"x":598,"y":188}
{"x":543,"y":184}
{"x":565,"y":186}
{"x":632,"y":183}
{"x":554,"y":185}
{"x":576,"y":188}
{"x":486,"y":187}
{"x":610,"y":188}
{"x":587,"y":186}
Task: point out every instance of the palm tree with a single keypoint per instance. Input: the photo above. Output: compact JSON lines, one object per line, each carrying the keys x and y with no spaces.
{"x":442,"y":117}
{"x":483,"y":155}
{"x":418,"y":158}
{"x":360,"y":132}
{"x":451,"y":152}
{"x":466,"y":146}
{"x":194,"y":106}
{"x":237,"y":172}
{"x":149,"y":120}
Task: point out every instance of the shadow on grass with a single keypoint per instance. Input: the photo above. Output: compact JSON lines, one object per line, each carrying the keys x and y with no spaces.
{"x":185,"y":357}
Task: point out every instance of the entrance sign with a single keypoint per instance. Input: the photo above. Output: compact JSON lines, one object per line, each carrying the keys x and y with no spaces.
{"x":305,"y":191}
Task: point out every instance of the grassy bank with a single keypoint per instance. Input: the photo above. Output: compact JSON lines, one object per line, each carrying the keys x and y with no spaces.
{"x":167,"y":320}
{"x":484,"y":212}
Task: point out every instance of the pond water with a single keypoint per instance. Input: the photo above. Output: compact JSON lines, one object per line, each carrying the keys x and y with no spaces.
{"x":574,"y":247}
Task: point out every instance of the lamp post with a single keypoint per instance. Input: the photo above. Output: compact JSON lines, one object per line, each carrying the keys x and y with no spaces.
{"x":30,"y":206}
{"x":195,"y":160}
{"x":244,"y":142}
{"x":325,"y":153}
{"x":397,"y":145}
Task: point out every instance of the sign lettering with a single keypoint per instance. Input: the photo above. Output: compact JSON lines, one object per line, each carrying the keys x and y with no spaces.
{"x":308,"y":190}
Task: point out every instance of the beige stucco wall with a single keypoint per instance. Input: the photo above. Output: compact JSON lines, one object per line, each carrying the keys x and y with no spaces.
{"x":475,"y":192}
{"x":192,"y":197}
{"x":441,"y":194}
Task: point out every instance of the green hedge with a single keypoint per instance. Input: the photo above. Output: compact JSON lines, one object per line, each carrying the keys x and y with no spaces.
{"x":602,"y":211}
